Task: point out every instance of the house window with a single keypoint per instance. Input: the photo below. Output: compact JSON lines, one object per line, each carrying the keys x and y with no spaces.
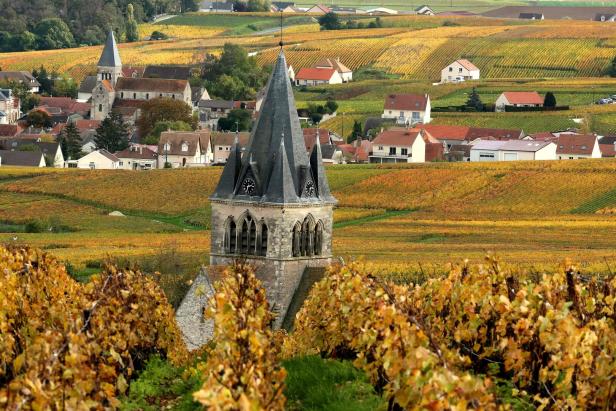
{"x":122,"y":95}
{"x":392,"y":151}
{"x":220,"y":148}
{"x":93,"y":165}
{"x":147,"y":96}
{"x":486,"y":155}
{"x":184,"y":147}
{"x":381,"y":148}
{"x":134,"y":96}
{"x":450,"y":69}
{"x":173,"y":96}
{"x":402,"y":114}
{"x":100,"y":107}
{"x":122,"y":163}
{"x":167,"y":147}
{"x":404,"y":151}
{"x":460,"y":70}
{"x":161,"y":94}
{"x":415,"y":115}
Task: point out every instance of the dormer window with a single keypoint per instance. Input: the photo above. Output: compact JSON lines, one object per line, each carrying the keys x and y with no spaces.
{"x":184,"y":147}
{"x":167,"y":147}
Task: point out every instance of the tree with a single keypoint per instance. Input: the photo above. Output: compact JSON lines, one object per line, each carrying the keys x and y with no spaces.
{"x":357,"y":131}
{"x":65,"y":87}
{"x":112,"y":134}
{"x":163,"y":109}
{"x":474,"y":101}
{"x":70,"y":141}
{"x":330,"y":21}
{"x":331,"y":106}
{"x":158,"y":35}
{"x":53,"y":33}
{"x":190,"y":5}
{"x":229,"y":88}
{"x":236,"y":120}
{"x":161,"y":126}
{"x":550,"y":100}
{"x":43,"y":78}
{"x":132,"y":32}
{"x":39,"y":119}
{"x":612,"y":69}
{"x":258,"y":5}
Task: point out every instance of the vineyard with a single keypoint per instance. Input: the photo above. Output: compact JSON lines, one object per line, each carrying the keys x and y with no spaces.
{"x":410,"y":46}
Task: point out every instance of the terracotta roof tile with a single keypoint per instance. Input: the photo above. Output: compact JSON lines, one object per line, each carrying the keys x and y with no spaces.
{"x":523,"y":97}
{"x":406,"y":102}
{"x":315,"y":74}
{"x":467,"y":64}
{"x":445,"y":132}
{"x":397,"y":137}
{"x":151,"y":84}
{"x":582,"y":144}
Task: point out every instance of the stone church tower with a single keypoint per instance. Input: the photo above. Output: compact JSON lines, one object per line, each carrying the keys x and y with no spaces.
{"x":109,"y":71}
{"x":273,"y":206}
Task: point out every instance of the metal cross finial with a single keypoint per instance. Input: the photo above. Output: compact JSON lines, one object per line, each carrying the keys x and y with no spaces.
{"x":281,"y":43}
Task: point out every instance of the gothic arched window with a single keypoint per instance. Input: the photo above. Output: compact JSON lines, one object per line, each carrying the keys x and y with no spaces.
{"x":232,"y":237}
{"x":307,"y":236}
{"x":244,"y":238}
{"x":264,"y":235}
{"x":318,"y":238}
{"x":297,"y":239}
{"x":252,"y":238}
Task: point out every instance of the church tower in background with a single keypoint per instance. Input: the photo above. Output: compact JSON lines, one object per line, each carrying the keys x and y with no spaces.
{"x":273,"y":206}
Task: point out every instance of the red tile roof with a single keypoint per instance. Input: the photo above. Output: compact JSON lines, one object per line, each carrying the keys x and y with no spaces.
{"x":607,"y":150}
{"x":151,"y":85}
{"x":315,"y":74}
{"x":107,"y":85}
{"x":87,"y":124}
{"x":467,"y":64}
{"x":333,"y":64}
{"x":9,"y":130}
{"x":576,"y":144}
{"x":311,"y":133}
{"x":523,"y":97}
{"x":139,"y":153}
{"x":397,"y":137}
{"x":406,"y":102}
{"x":543,"y":136}
{"x":444,"y":132}
{"x":496,"y":133}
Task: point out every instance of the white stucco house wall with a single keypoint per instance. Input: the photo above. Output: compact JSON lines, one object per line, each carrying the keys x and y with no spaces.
{"x":512,"y":150}
{"x":408,"y":109}
{"x":399,"y":145}
{"x":460,"y":70}
{"x":99,"y":160}
{"x":317,"y":76}
{"x":571,"y":146}
{"x":518,"y":99}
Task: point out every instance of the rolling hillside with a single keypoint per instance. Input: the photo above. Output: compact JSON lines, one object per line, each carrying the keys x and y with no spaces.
{"x":531,"y":212}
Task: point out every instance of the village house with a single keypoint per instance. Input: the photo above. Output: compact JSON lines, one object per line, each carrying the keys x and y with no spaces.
{"x":185,"y":149}
{"x":460,"y":70}
{"x":399,"y":145}
{"x":345,"y":73}
{"x":51,"y":150}
{"x":211,"y":110}
{"x":424,"y":10}
{"x":113,"y":87}
{"x":408,"y":109}
{"x":10,"y":107}
{"x":607,"y":146}
{"x":319,"y":9}
{"x":10,"y":130}
{"x":207,"y":6}
{"x":518,"y":99}
{"x":356,"y":152}
{"x":137,"y":157}
{"x":22,"y":158}
{"x":222,"y":144}
{"x":512,"y":150}
{"x":603,"y":17}
{"x":571,"y":146}
{"x":310,"y":76}
{"x":63,"y":109}
{"x":96,"y":160}
{"x":21,"y":77}
{"x":381,"y":11}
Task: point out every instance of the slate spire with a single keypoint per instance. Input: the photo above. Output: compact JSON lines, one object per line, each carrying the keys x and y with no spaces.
{"x":318,"y":171}
{"x":265,"y":174}
{"x":110,"y":56}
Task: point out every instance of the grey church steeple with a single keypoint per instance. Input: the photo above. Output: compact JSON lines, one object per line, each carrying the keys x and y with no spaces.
{"x":110,"y":56}
{"x":275,"y":168}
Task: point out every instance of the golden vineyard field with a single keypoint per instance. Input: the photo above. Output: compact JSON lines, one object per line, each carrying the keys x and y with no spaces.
{"x":411,"y":47}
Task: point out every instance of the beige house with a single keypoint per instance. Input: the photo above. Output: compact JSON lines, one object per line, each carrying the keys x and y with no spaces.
{"x":518,"y":99}
{"x":137,"y":157}
{"x":222,"y":143}
{"x":572,"y":146}
{"x":185,"y":149}
{"x":98,"y":160}
{"x":459,"y":70}
{"x":408,"y":109}
{"x":512,"y":150}
{"x":399,"y":145}
{"x":345,"y":72}
{"x":10,"y":107}
{"x":317,"y":76}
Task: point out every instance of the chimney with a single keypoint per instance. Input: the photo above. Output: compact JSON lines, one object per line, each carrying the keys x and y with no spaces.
{"x":140,"y":150}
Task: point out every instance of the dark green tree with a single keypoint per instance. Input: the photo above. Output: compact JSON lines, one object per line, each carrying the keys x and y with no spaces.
{"x":550,"y":100}
{"x":112,"y":134}
{"x":38,"y":119}
{"x":612,"y":68}
{"x":330,"y":21}
{"x":158,"y":35}
{"x":357,"y":131}
{"x":161,"y":126}
{"x":190,"y":5}
{"x":236,"y":120}
{"x":331,"y":106}
{"x":132,"y":32}
{"x":474,"y":101}
{"x":70,"y":141}
{"x":44,"y":80}
{"x":163,"y":109}
{"x":53,"y":33}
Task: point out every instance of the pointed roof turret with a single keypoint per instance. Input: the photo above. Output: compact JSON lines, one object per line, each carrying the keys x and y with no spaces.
{"x":230,"y":173}
{"x":318,"y":171}
{"x":110,"y":56}
{"x":280,"y":188}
